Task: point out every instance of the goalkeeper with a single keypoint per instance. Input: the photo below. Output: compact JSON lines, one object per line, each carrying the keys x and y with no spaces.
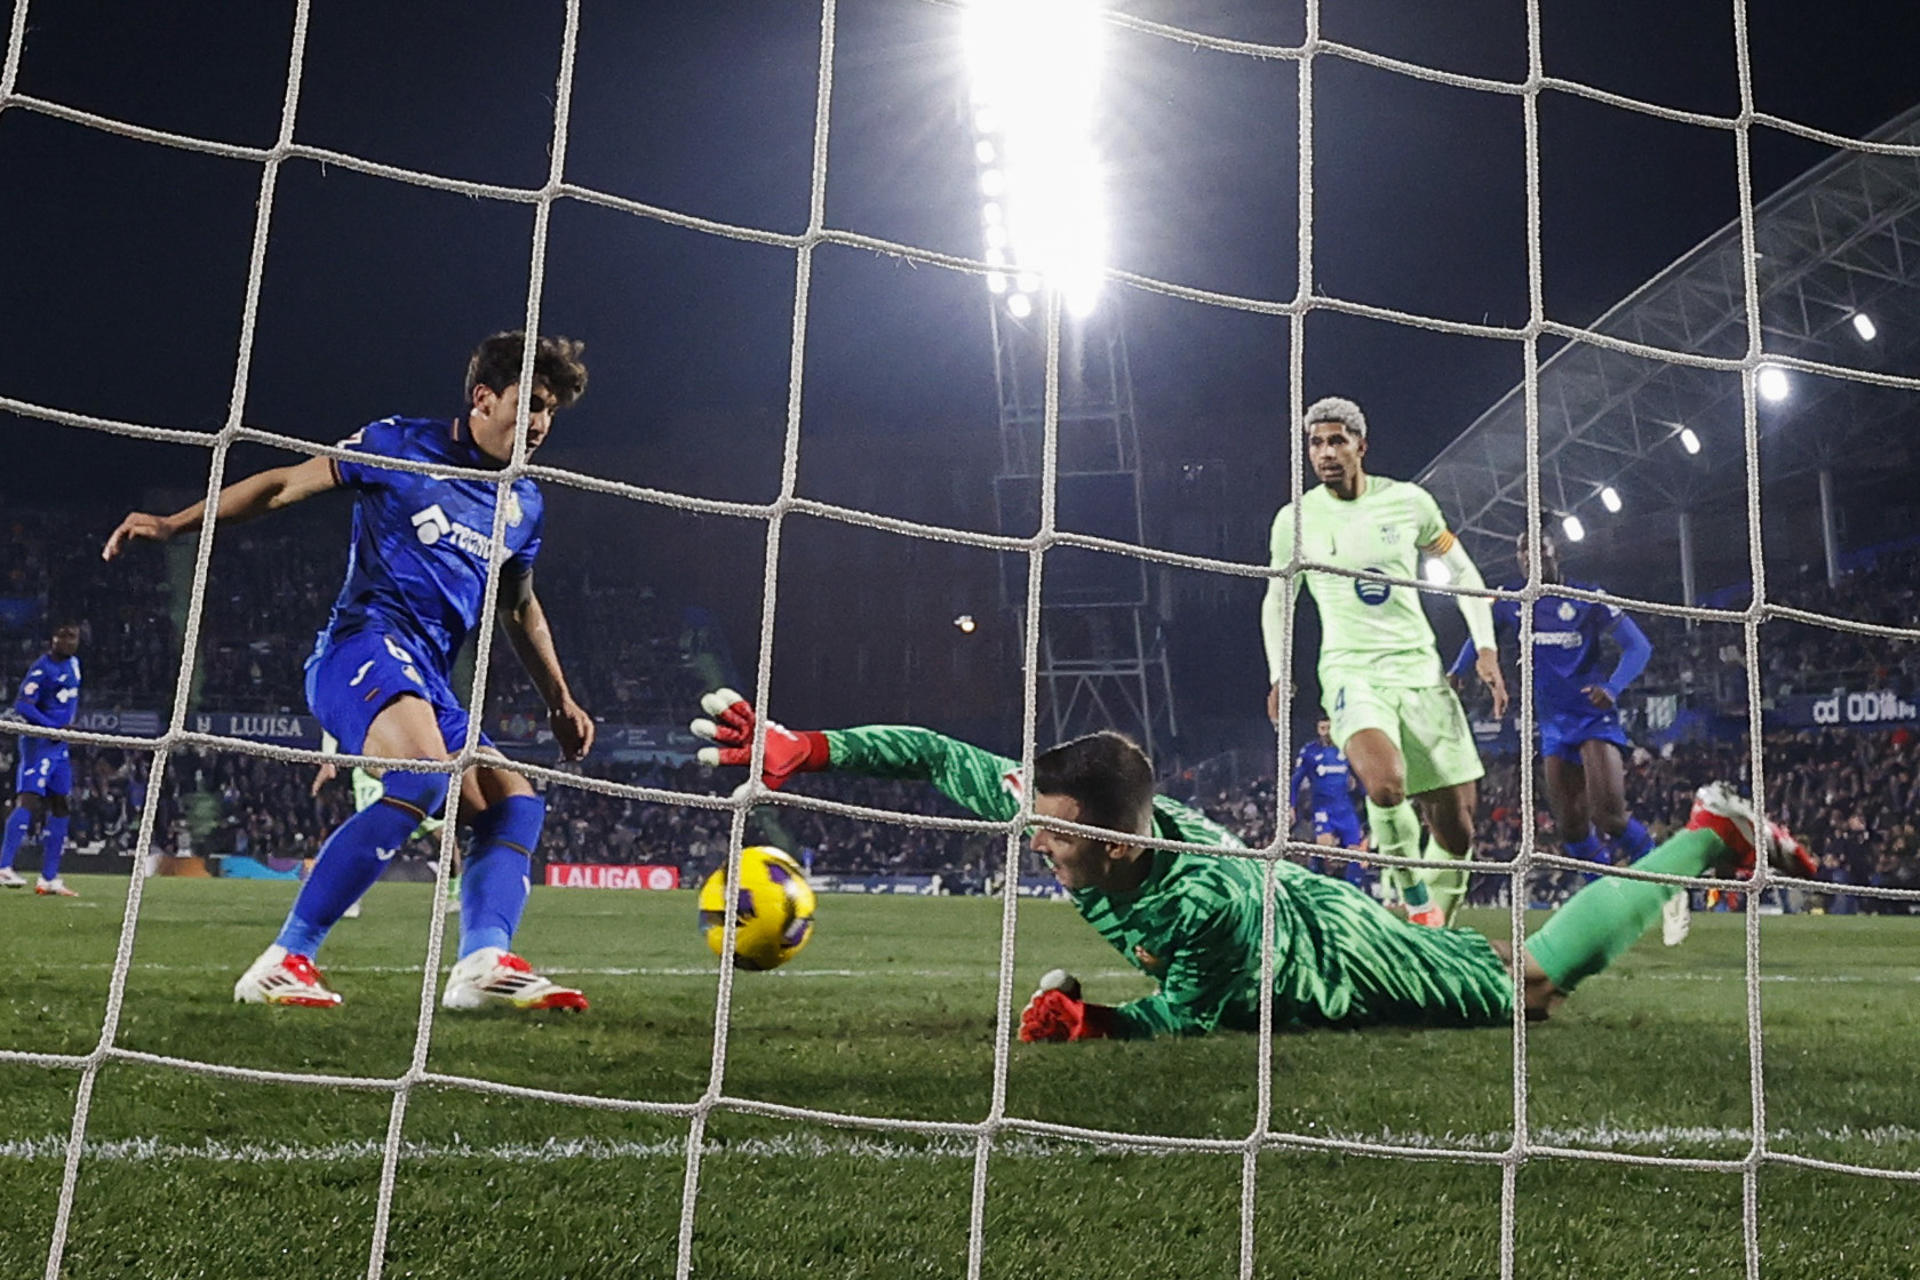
{"x":1191,"y":921}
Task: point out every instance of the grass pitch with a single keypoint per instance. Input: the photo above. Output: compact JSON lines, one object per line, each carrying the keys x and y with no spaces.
{"x":889,"y":1012}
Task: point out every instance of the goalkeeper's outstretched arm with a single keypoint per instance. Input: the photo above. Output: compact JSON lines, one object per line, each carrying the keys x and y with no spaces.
{"x":986,"y":783}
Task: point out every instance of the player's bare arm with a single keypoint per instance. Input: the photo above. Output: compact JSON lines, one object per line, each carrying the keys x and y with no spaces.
{"x":240,"y":501}
{"x":532,"y":639}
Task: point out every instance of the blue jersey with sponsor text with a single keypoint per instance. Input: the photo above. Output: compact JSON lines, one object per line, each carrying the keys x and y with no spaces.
{"x":49,"y":697}
{"x":418,"y":566}
{"x":1566,"y":647}
{"x":1325,"y":768}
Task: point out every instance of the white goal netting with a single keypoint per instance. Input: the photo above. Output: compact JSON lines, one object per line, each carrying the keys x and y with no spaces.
{"x":991,"y":1130}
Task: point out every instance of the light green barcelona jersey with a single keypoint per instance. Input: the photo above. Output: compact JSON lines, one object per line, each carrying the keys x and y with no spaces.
{"x":1339,"y":957}
{"x":1371,"y":632}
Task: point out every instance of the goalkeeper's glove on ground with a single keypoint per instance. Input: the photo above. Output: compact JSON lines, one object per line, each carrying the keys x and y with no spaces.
{"x":731,"y":727}
{"x":1057,"y":1012}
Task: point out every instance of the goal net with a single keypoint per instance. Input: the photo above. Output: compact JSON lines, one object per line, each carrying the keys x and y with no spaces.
{"x":1268,"y":1152}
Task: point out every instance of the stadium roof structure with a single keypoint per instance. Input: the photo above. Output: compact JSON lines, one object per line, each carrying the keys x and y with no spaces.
{"x":1841,"y":241}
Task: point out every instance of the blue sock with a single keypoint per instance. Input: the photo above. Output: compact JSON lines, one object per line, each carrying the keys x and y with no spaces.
{"x":53,"y":839}
{"x":17,"y":823}
{"x":1586,"y":848}
{"x":1634,"y":841}
{"x":355,"y":854}
{"x":493,"y":884}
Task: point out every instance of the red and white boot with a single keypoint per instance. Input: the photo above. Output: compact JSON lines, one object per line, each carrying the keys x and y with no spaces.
{"x":1718,"y":808}
{"x":280,"y":976}
{"x":493,"y":975}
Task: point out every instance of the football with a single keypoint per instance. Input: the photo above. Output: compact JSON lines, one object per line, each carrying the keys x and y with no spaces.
{"x":774,"y":909}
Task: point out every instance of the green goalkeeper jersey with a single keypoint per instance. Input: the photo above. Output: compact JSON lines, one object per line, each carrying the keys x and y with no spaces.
{"x":1340,"y":958}
{"x":1371,"y":632}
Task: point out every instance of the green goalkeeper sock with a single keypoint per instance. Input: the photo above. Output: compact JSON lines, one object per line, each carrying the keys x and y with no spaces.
{"x":1448,"y":887}
{"x":1396,"y":833}
{"x":1609,"y":915}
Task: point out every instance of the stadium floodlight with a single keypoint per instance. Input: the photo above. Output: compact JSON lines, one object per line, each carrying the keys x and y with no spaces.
{"x":1689,"y":441}
{"x":1864,"y":326}
{"x":1437,"y":573}
{"x":1035,"y":67}
{"x":1572,"y":527}
{"x":1772,"y":383}
{"x":966,"y":624}
{"x":1610,"y":499}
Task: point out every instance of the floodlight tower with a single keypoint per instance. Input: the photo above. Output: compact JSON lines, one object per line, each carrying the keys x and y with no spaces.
{"x":1035,"y":68}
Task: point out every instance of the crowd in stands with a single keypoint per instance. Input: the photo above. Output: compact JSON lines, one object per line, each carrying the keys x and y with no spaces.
{"x":1708,"y":661}
{"x":129,"y":650}
{"x":269,"y":589}
{"x":1851,"y":793}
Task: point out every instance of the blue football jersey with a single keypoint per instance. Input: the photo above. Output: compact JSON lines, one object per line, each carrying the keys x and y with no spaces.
{"x":50,"y":697}
{"x":418,"y":566}
{"x":1566,"y":647}
{"x":1326,"y":769}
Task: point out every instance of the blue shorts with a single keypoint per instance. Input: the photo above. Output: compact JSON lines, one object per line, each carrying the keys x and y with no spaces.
{"x":1344,"y":826}
{"x":45,"y":771}
{"x":1562,"y":735}
{"x":356,"y":676}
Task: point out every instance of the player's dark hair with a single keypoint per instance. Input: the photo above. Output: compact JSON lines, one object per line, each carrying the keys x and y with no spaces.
{"x":1546,"y":532}
{"x":1106,"y":773}
{"x":495,"y":364}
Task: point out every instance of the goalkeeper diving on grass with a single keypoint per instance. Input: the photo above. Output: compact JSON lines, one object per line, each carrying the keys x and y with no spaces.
{"x":1191,"y":921}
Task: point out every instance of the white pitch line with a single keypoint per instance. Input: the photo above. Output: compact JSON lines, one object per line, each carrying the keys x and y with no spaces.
{"x":982,"y":972}
{"x":53,"y":1147}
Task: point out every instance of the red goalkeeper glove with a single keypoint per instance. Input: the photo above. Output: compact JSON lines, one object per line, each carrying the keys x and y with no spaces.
{"x":1057,"y":1012}
{"x":788,"y":752}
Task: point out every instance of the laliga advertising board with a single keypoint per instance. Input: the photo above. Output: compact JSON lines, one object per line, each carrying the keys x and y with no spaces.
{"x":598,"y":875}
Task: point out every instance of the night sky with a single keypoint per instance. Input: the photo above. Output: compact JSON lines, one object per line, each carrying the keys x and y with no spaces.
{"x":123,"y":264}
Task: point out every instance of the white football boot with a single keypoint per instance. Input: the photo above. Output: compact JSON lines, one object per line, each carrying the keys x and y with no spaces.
{"x":1676,"y":919}
{"x":280,"y":976}
{"x":493,"y":975}
{"x":11,"y":879}
{"x":54,"y":888}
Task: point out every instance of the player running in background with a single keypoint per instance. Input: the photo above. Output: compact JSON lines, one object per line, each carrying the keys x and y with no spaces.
{"x":1394,"y":714}
{"x":1581,"y":738}
{"x":1192,"y":921}
{"x":378,"y":678}
{"x":49,"y":699}
{"x":1321,"y":770}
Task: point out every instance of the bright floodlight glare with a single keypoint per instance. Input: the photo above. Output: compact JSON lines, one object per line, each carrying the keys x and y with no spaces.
{"x":996,"y":282}
{"x":1772,"y":383}
{"x":983,"y":151}
{"x":1610,"y":498}
{"x":1864,"y":326}
{"x":1035,"y":67}
{"x":1021,"y":306}
{"x":1572,"y":527}
{"x":1436,"y":572}
{"x":966,"y":624}
{"x":1689,"y":441}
